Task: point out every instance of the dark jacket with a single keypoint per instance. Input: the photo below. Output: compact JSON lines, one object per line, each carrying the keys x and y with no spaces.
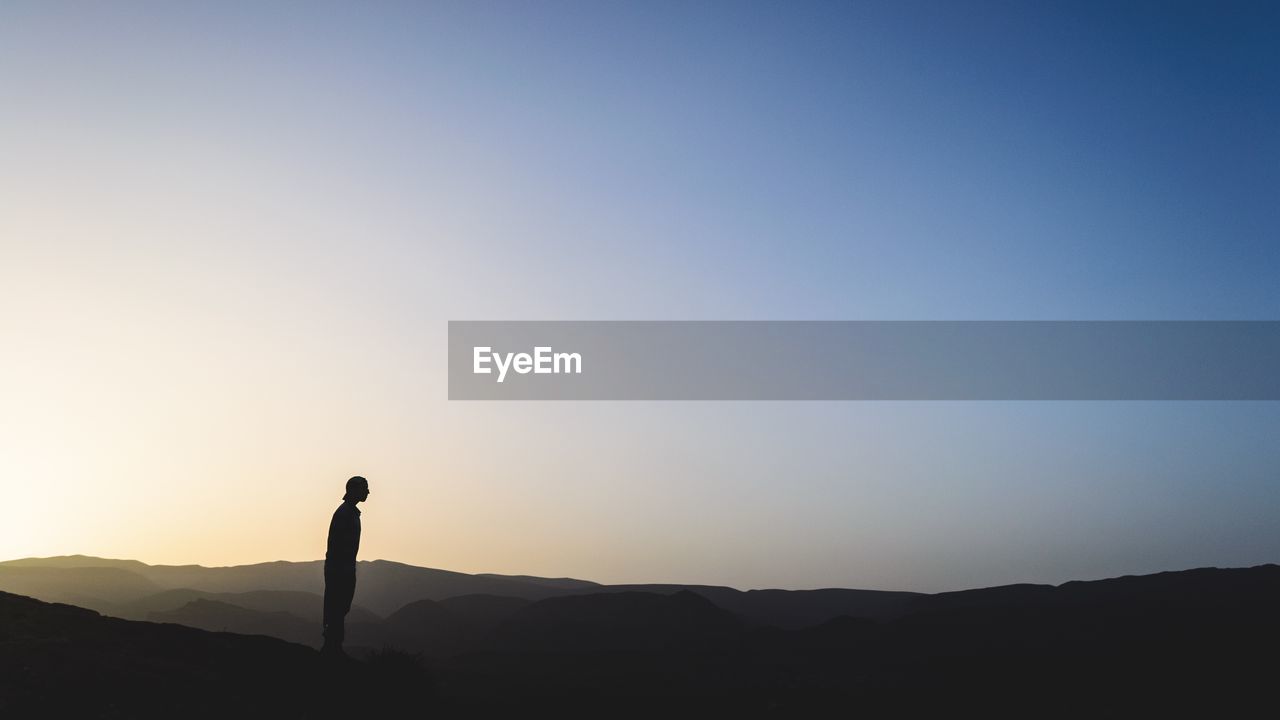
{"x":344,"y":536}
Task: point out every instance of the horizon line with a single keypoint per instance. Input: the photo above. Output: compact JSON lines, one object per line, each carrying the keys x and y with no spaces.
{"x":731,"y":587}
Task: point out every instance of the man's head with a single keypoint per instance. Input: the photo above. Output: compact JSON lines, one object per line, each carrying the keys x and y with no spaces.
{"x":357,"y":489}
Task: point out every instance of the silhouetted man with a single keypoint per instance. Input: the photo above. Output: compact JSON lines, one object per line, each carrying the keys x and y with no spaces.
{"x":340,"y":564}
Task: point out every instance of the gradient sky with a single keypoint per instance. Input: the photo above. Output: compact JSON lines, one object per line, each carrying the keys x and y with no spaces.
{"x":231,"y":235}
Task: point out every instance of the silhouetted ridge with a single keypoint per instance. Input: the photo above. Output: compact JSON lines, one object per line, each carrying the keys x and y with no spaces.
{"x":427,"y":625}
{"x":97,"y":587}
{"x":1139,"y":645}
{"x":1199,"y":590}
{"x":628,"y":620}
{"x":562,"y":583}
{"x":384,"y":586}
{"x":484,"y":610}
{"x":62,"y":661}
{"x":219,"y":616}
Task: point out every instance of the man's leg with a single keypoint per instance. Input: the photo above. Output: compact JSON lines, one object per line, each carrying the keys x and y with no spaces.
{"x":339,"y":589}
{"x":342,"y":605}
{"x":332,"y":595}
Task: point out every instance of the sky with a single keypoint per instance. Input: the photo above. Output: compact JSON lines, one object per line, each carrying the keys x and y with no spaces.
{"x":232,"y":234}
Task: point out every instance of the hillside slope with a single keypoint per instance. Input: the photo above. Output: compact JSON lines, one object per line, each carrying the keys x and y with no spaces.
{"x":63,"y":661}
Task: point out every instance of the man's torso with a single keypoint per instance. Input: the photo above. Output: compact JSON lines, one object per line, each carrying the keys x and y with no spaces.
{"x":344,"y":536}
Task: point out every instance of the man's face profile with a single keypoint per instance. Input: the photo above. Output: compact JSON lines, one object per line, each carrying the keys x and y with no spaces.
{"x":357,"y":489}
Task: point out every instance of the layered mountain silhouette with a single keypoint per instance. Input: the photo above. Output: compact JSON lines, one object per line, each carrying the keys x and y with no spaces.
{"x":131,"y":589}
{"x":1136,"y":644}
{"x":384,"y":586}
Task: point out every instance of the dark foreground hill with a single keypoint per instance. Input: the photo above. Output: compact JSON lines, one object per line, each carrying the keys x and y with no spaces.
{"x":62,"y":661}
{"x":1169,"y":643}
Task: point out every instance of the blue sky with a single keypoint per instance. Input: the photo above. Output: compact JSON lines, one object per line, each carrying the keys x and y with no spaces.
{"x":233,"y":232}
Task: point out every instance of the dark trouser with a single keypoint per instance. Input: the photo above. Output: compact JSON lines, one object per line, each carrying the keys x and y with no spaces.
{"x":339,"y":588}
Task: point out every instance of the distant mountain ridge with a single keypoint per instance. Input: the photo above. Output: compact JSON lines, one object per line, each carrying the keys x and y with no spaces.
{"x":385,"y":586}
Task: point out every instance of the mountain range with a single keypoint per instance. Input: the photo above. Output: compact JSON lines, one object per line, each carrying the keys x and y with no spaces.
{"x":1170,"y":641}
{"x":133,"y":590}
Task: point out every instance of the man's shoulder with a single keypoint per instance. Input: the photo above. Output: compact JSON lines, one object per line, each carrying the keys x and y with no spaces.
{"x":344,"y":509}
